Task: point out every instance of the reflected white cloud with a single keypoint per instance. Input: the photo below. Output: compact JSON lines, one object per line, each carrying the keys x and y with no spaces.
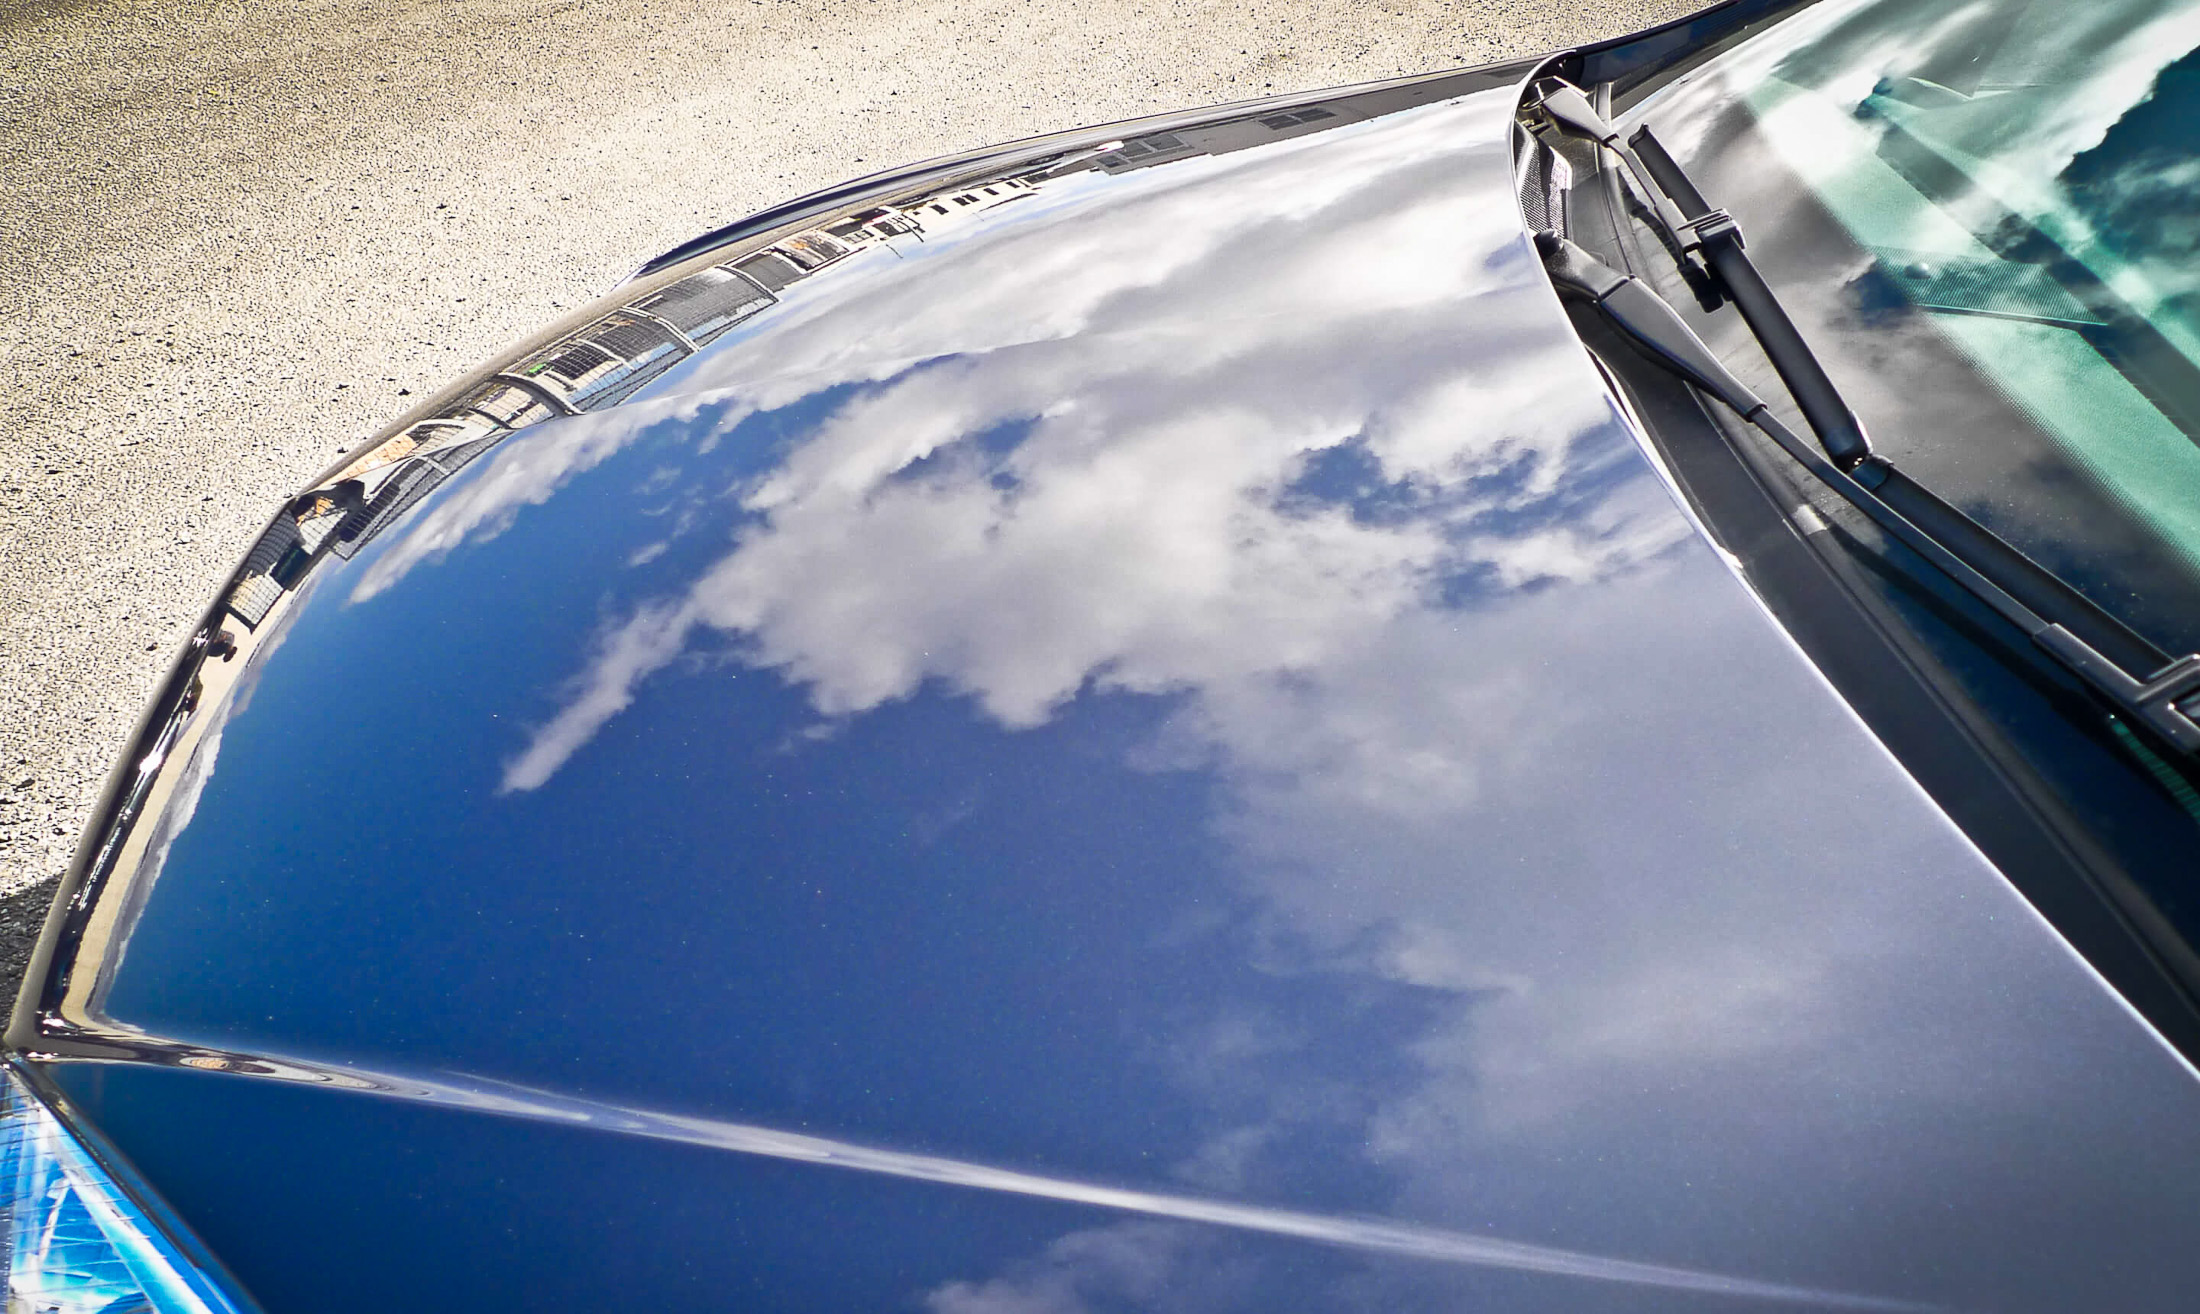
{"x":1144,"y":1266}
{"x":649,"y":640}
{"x":1137,"y":535}
{"x":521,"y":475}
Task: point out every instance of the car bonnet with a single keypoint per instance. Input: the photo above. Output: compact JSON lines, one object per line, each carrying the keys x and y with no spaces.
{"x":1124,"y":727}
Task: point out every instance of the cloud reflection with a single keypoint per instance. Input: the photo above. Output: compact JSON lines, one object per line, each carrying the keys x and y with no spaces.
{"x":1147,"y":1266}
{"x":1155,"y":520}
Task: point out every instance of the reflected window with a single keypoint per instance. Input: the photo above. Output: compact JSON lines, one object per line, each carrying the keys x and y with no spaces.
{"x":606,"y":362}
{"x":770,"y":270}
{"x":705,"y":305}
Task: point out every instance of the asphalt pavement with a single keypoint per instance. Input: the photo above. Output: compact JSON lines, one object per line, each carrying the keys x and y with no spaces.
{"x":236,"y":238}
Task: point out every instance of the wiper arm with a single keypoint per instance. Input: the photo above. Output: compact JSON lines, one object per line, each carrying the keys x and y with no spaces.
{"x":1568,"y":107}
{"x":1569,"y":110}
{"x":2049,"y":612}
{"x":1695,"y":226}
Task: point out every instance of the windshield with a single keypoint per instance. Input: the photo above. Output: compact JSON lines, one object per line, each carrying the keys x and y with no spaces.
{"x":1981,"y":212}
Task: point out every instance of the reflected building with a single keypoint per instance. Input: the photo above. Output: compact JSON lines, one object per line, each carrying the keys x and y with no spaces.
{"x":948,"y":209}
{"x":1228,"y":136}
{"x":596,"y":366}
{"x":610,"y":359}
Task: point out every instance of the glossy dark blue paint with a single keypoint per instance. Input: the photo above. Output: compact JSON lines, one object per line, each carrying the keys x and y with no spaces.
{"x":1162,"y":746}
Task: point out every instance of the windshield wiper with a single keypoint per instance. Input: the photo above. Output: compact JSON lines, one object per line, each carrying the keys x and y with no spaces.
{"x":2069,"y":627}
{"x":1695,"y":227}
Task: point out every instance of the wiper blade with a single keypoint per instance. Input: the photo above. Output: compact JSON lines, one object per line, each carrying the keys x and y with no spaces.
{"x":2076,"y":632}
{"x":1720,"y":240}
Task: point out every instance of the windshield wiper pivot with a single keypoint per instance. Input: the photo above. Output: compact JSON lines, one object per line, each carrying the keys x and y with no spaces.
{"x":1569,"y":110}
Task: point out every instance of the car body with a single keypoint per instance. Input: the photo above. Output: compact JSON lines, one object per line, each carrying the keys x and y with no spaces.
{"x":1127,"y":721}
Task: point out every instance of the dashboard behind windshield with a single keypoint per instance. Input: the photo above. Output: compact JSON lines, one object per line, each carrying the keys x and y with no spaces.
{"x":1980,"y":212}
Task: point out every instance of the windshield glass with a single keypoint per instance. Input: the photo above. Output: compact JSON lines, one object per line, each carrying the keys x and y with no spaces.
{"x":1982,"y":214}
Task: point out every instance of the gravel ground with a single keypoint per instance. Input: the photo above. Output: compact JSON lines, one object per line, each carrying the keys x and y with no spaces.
{"x":234,"y":239}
